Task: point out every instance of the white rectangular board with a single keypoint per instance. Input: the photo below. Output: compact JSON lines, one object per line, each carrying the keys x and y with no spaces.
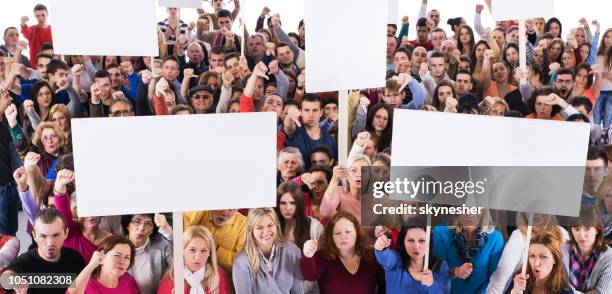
{"x":521,"y":9}
{"x":181,"y":3}
{"x":176,"y":163}
{"x":393,"y":11}
{"x":423,"y":138}
{"x":346,"y":45}
{"x":110,"y":27}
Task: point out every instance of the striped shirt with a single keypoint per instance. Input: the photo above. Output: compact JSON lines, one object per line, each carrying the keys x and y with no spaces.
{"x":171,"y":39}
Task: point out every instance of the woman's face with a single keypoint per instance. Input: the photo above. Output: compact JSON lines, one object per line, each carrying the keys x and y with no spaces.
{"x":499,"y":37}
{"x":44,"y":98}
{"x":77,"y":59}
{"x":287,"y":206}
{"x":538,"y":56}
{"x":345,"y":235}
{"x":480,"y":49}
{"x":608,"y":39}
{"x":582,"y":77}
{"x":196,"y":254}
{"x":443,"y":93}
{"x":139,"y":229}
{"x":500,"y":72}
{"x":110,"y":59}
{"x":50,"y":141}
{"x":117,"y":261}
{"x":541,"y":261}
{"x":543,"y":110}
{"x":555,"y":30}
{"x":568,"y":60}
{"x":497,"y":110}
{"x":381,"y":119}
{"x":355,"y":173}
{"x":380,"y":171}
{"x":61,"y":120}
{"x":585,"y":236}
{"x":580,"y":38}
{"x":234,"y":107}
{"x":414,"y":242}
{"x":555,"y":51}
{"x":89,"y":223}
{"x":213,"y":82}
{"x":585,"y":50}
{"x":320,"y":184}
{"x":264,"y":232}
{"x":464,"y":36}
{"x":512,"y":56}
{"x":469,"y":220}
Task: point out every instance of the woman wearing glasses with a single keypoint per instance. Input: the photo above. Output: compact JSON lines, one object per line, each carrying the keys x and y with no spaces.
{"x":153,"y":251}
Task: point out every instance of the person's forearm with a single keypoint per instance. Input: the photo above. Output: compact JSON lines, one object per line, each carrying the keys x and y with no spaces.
{"x":37,"y":183}
{"x":34,"y":118}
{"x":74,"y":104}
{"x":249,"y":88}
{"x":30,"y":207}
{"x":289,"y":126}
{"x":285,"y":39}
{"x":81,"y":281}
{"x":418,"y":96}
{"x":246,"y":103}
{"x":282,"y":84}
{"x":423,"y":10}
{"x":160,"y":106}
{"x":224,"y":98}
{"x":359,"y":122}
{"x":478,"y":26}
{"x":185,"y":86}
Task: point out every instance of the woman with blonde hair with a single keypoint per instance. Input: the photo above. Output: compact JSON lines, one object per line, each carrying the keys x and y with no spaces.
{"x":511,"y":258}
{"x":50,"y":142}
{"x":267,"y":263}
{"x":202,"y":273}
{"x":471,"y":247}
{"x":345,"y":197}
{"x":60,"y":114}
{"x":494,"y":106}
{"x":544,"y":270}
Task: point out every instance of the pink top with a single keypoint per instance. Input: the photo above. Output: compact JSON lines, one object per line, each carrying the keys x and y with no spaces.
{"x":75,"y":239}
{"x":127,"y":285}
{"x":340,"y":200}
{"x":166,"y":286}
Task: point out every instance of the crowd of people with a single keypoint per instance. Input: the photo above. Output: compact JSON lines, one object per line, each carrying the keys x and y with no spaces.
{"x":313,"y":240}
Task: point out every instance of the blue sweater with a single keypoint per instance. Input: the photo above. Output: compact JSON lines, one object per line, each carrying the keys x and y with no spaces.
{"x":400,"y":281}
{"x":484,"y":263}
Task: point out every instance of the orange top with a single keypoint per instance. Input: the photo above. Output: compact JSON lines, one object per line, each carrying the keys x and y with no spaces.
{"x":556,"y":117}
{"x":493,"y":91}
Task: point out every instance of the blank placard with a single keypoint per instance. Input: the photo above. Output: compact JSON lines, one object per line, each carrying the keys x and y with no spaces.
{"x":181,"y":3}
{"x":346,"y":44}
{"x":521,"y":9}
{"x":423,"y":138}
{"x":174,"y":163}
{"x":110,"y":27}
{"x":392,"y":11}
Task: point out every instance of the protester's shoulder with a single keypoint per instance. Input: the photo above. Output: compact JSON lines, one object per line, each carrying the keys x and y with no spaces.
{"x":69,"y":255}
{"x":291,"y":250}
{"x":606,"y":256}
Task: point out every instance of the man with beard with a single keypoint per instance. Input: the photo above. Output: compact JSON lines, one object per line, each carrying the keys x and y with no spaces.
{"x":49,"y":257}
{"x":595,"y":170}
{"x":564,"y":83}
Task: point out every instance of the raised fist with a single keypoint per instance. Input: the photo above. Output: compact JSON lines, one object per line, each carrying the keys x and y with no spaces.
{"x":31,"y":161}
{"x":382,"y":242}
{"x":310,"y":248}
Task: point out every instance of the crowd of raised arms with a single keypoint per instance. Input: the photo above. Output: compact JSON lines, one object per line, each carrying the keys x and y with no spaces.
{"x":313,"y":240}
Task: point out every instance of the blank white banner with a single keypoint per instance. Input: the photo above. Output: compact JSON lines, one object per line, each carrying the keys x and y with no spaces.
{"x":110,"y":27}
{"x":424,"y":138}
{"x":181,"y":3}
{"x":151,"y":164}
{"x":347,"y":42}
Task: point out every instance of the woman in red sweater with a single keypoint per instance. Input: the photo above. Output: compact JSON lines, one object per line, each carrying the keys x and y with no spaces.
{"x":345,"y":263}
{"x":201,"y":268}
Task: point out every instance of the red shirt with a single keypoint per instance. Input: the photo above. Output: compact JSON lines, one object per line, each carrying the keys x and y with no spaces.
{"x":36,"y":36}
{"x":427,"y":45}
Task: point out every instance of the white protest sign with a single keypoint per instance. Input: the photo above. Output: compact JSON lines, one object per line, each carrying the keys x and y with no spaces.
{"x":181,"y":3}
{"x":393,"y":9}
{"x":518,"y":156}
{"x":111,"y":27}
{"x":179,"y":163}
{"x":521,"y":9}
{"x":346,"y":45}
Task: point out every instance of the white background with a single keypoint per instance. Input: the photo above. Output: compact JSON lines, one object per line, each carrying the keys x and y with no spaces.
{"x":292,"y":11}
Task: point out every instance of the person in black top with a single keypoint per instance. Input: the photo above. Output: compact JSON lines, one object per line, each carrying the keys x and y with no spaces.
{"x":9,"y":161}
{"x":49,"y":258}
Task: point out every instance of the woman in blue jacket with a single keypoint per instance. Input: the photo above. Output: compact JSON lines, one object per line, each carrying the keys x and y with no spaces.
{"x":471,"y":247}
{"x":404,"y":267}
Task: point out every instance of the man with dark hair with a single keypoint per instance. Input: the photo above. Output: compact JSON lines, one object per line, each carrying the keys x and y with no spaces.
{"x":216,"y":58}
{"x":49,"y":257}
{"x":57,"y":76}
{"x":9,"y":161}
{"x":595,"y":170}
{"x":101,"y":95}
{"x":436,"y":73}
{"x":582,"y":104}
{"x":217,"y":6}
{"x":391,"y":47}
{"x":286,"y":58}
{"x":391,"y":29}
{"x":564,"y":83}
{"x":422,"y":35}
{"x":306,"y":134}
{"x":37,"y":34}
{"x":172,"y":28}
{"x":12,"y":46}
{"x":463,"y":82}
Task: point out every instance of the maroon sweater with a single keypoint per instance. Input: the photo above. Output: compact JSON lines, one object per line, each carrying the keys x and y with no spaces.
{"x":334,"y":278}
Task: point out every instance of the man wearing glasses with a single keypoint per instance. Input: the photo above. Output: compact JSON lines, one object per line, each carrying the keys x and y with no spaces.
{"x":564,"y":83}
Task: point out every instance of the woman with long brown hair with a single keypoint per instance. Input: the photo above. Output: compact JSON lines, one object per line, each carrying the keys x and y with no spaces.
{"x":544,"y":270}
{"x":345,"y":262}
